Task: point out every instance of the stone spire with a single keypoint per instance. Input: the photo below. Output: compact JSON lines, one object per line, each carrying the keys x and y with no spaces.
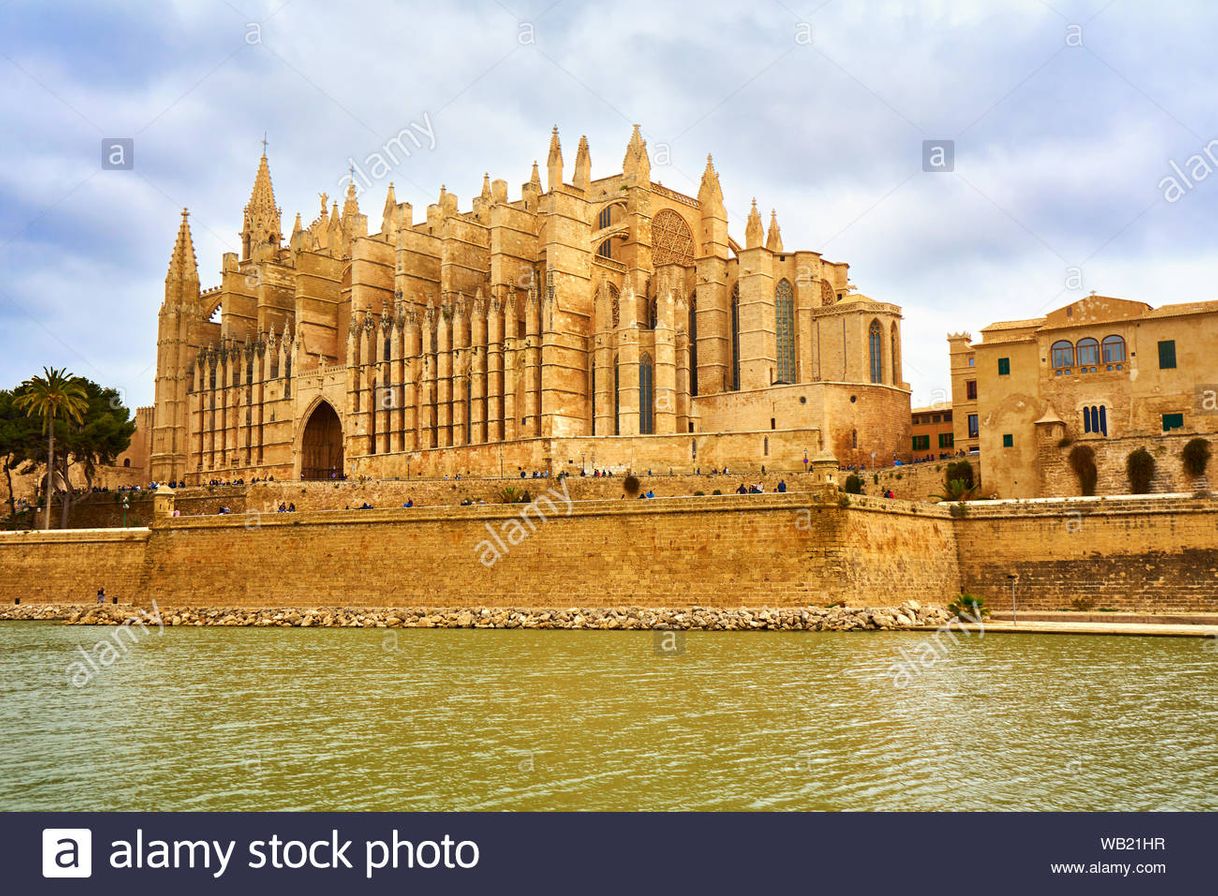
{"x":262,"y":225}
{"x":486,"y":185}
{"x":773,"y":239}
{"x":710,"y":194}
{"x":391,"y":204}
{"x":554,"y":162}
{"x":183,"y":267}
{"x":637,"y":164}
{"x":583,"y":165}
{"x":753,"y":231}
{"x":351,"y":202}
{"x":535,"y":177}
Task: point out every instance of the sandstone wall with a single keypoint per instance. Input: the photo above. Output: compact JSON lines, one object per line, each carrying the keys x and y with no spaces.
{"x":1152,"y":553}
{"x":73,"y":564}
{"x":1057,"y":478}
{"x":1158,"y":553}
{"x":771,"y":550}
{"x":100,"y":510}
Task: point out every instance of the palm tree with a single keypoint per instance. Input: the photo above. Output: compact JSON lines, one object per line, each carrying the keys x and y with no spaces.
{"x":51,"y":396}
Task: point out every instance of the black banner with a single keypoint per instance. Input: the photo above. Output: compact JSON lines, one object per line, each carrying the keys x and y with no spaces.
{"x":305,"y":853}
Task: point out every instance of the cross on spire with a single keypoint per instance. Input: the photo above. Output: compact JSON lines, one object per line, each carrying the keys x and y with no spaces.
{"x":264,"y":142}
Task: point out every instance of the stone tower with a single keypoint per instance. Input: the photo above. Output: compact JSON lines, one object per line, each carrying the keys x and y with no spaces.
{"x":180,"y":311}
{"x":262,"y":233}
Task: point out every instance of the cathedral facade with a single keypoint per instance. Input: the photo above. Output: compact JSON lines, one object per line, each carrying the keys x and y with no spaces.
{"x":609,"y":323}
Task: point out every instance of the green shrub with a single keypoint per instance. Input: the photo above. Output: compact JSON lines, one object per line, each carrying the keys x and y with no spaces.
{"x":854,"y":484}
{"x":1140,"y":468}
{"x":969,"y":607}
{"x":843,"y":501}
{"x":1196,"y":457}
{"x":1082,"y":462}
{"x":962,"y":470}
{"x":1082,"y":604}
{"x":699,"y":494}
{"x":875,"y":477}
{"x":631,"y":485}
{"x":959,"y":510}
{"x":716,"y":492}
{"x":1065,"y":442}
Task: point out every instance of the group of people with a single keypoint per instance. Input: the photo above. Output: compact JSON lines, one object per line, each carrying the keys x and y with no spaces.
{"x":290,"y":507}
{"x":758,"y":489}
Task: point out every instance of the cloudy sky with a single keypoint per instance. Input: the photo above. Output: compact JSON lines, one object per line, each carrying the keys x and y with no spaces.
{"x":1066,"y":117}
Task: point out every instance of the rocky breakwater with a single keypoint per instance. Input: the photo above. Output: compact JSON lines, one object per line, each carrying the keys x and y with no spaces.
{"x":908,"y":615}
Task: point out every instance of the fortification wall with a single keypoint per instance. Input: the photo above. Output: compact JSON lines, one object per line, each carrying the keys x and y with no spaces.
{"x":71,"y":565}
{"x":1151,"y":553}
{"x":771,"y":550}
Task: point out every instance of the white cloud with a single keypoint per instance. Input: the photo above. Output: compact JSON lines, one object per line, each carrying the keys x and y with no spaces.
{"x":1059,"y":150}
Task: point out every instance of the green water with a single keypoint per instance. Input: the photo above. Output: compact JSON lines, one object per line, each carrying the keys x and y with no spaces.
{"x":245,"y":719}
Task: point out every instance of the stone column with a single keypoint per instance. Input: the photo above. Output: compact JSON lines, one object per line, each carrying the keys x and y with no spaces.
{"x":427,"y":419}
{"x":510,"y":420}
{"x":532,"y":365}
{"x":665,"y":365}
{"x":444,"y":376}
{"x":494,"y":361}
{"x":460,"y":371}
{"x":478,"y":370}
{"x":411,"y":389}
{"x":628,"y":376}
{"x":604,"y":342}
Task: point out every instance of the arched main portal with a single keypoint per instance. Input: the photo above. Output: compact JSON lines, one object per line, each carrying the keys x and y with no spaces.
{"x":321,"y":447}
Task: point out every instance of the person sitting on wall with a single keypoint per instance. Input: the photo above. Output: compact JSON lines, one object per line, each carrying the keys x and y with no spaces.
{"x":650,"y":493}
{"x":366,"y":506}
{"x":223,"y":509}
{"x":742,"y":490}
{"x":101,"y":595}
{"x":409,"y":502}
{"x":292,"y":508}
{"x":782,"y":485}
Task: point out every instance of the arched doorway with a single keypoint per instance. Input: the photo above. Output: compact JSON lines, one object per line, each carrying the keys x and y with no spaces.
{"x":321,"y":448}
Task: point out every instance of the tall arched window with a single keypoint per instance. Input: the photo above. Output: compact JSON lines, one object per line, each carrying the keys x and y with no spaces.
{"x":784,"y":330}
{"x":647,"y":420}
{"x":693,"y":344}
{"x":592,"y":391}
{"x":605,"y":219}
{"x":1095,"y":419}
{"x":875,"y":340}
{"x":1114,"y":350}
{"x":1088,"y":352}
{"x":736,"y":337}
{"x":1063,"y":354}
